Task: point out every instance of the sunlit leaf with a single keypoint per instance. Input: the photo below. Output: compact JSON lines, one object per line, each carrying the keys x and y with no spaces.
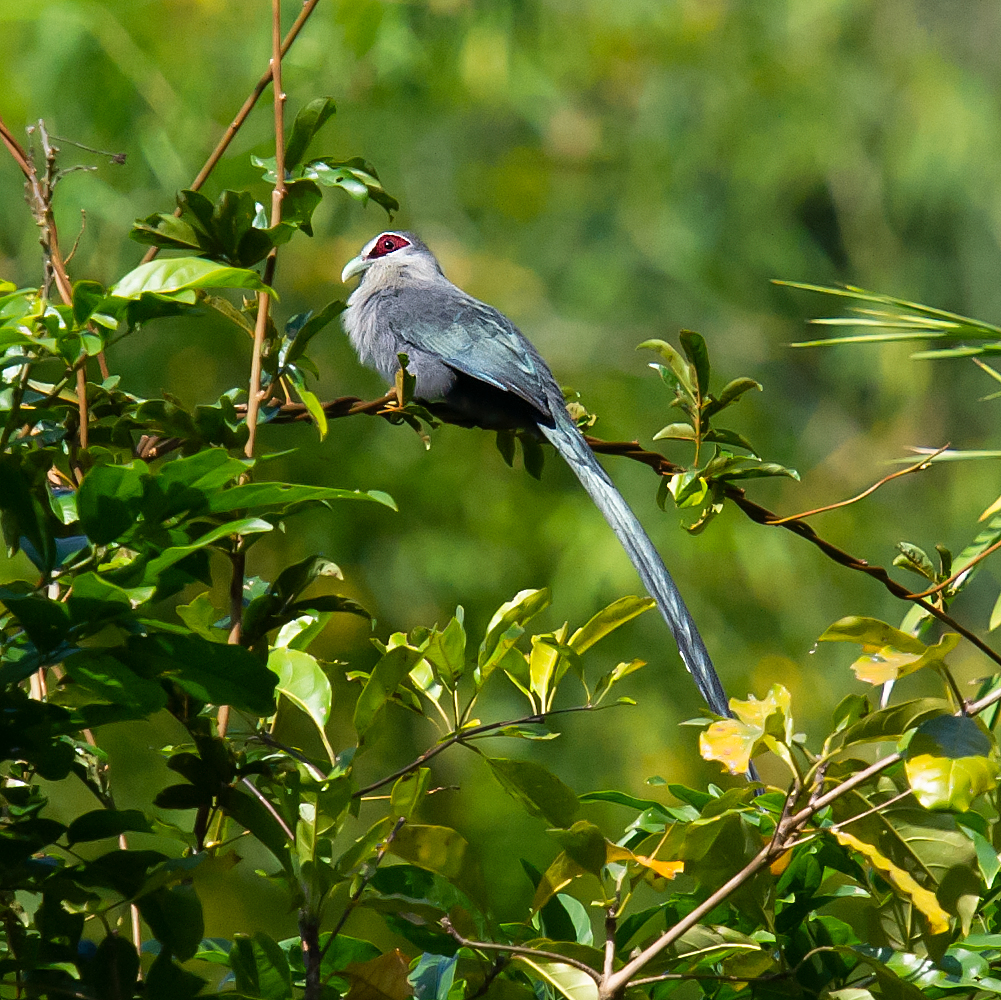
{"x":923,"y":899}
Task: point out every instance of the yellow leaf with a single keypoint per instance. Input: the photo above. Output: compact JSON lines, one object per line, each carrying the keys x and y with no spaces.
{"x":731,"y":743}
{"x":888,"y":663}
{"x":991,"y":511}
{"x":923,"y":899}
{"x":383,"y":978}
{"x":781,"y":863}
{"x":665,"y":869}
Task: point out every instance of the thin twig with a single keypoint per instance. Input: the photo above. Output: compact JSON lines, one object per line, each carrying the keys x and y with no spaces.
{"x":266,"y":802}
{"x":465,"y":734}
{"x":514,"y":949}
{"x":762,"y":515}
{"x":277,"y":194}
{"x":990,"y":550}
{"x":241,"y":117}
{"x":925,"y":463}
{"x":355,"y":896}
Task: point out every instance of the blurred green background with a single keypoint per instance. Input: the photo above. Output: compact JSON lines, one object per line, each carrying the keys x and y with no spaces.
{"x":603,"y":172}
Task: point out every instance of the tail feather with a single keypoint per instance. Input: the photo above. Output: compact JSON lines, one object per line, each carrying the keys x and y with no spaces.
{"x":570,"y":443}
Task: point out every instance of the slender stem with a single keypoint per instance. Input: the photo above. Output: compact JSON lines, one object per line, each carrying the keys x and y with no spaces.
{"x":514,"y":949}
{"x":248,"y":105}
{"x":266,"y":802}
{"x":81,"y":393}
{"x":461,"y":737}
{"x":355,"y":896}
{"x":277,"y":194}
{"x":921,"y":466}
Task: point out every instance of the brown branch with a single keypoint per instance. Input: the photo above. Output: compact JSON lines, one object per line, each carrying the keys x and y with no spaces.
{"x":516,"y":950}
{"x":966,"y":569}
{"x":925,"y":463}
{"x":348,"y":406}
{"x":762,"y":515}
{"x":277,"y":195}
{"x":241,"y":116}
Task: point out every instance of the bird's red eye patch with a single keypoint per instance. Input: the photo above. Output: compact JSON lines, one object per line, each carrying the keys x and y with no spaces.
{"x":387,"y":243}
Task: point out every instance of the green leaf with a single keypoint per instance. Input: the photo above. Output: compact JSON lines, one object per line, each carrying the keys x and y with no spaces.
{"x":568,"y":981}
{"x":301,"y":199}
{"x":538,"y":791}
{"x":251,"y":813}
{"x":441,"y":850}
{"x":949,"y":761}
{"x":174,"y":916}
{"x":892,"y":722}
{"x":506,"y":627}
{"x":386,"y":677}
{"x":114,"y":970}
{"x":682,"y":370}
{"x":313,"y":406}
{"x":446,"y":652}
{"x":607,"y":620}
{"x":354,"y":176}
{"x":280,"y":497}
{"x":694,"y":346}
{"x":732,"y":391}
{"x":433,"y":976}
{"x":108,"y":500}
{"x":585,"y":844}
{"x":167,"y":558}
{"x":167,"y":277}
{"x":303,"y":682}
{"x":308,"y":122}
{"x":871,"y":632}
{"x":168,"y":981}
{"x":309,"y":329}
{"x":101,"y":823}
{"x":220,"y":675}
{"x":676,"y":432}
{"x":260,"y":967}
{"x":112,"y":681}
{"x":606,"y":681}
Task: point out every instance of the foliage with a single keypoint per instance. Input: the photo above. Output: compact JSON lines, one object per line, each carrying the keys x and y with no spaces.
{"x":851,"y":874}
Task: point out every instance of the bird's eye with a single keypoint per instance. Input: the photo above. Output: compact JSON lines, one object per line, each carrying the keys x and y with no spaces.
{"x":387,"y":244}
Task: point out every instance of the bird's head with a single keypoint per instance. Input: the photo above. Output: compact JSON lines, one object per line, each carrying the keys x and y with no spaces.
{"x":393,"y":256}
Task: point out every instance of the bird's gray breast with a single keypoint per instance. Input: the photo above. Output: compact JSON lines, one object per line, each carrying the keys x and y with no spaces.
{"x":452,"y":341}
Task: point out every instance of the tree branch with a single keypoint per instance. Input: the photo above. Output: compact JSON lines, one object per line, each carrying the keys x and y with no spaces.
{"x":248,"y":105}
{"x":513,"y":949}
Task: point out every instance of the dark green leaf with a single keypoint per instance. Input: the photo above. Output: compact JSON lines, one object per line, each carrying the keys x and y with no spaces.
{"x":310,"y":329}
{"x":308,"y":122}
{"x":114,"y":970}
{"x":102,"y":823}
{"x":260,"y":967}
{"x":174,"y":915}
{"x":108,"y":500}
{"x":694,"y":346}
{"x":536,"y":789}
{"x":168,"y":981}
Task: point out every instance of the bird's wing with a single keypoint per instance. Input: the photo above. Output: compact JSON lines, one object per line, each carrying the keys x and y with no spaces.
{"x":471,"y":337}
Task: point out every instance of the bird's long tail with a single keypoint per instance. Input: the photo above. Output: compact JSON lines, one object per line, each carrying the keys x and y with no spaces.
{"x":570,"y":443}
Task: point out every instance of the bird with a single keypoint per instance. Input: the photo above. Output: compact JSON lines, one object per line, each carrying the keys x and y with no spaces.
{"x":467,"y":356}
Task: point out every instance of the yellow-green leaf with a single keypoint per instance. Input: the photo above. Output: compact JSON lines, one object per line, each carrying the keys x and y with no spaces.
{"x":572,"y":983}
{"x":943,"y":783}
{"x":923,"y":899}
